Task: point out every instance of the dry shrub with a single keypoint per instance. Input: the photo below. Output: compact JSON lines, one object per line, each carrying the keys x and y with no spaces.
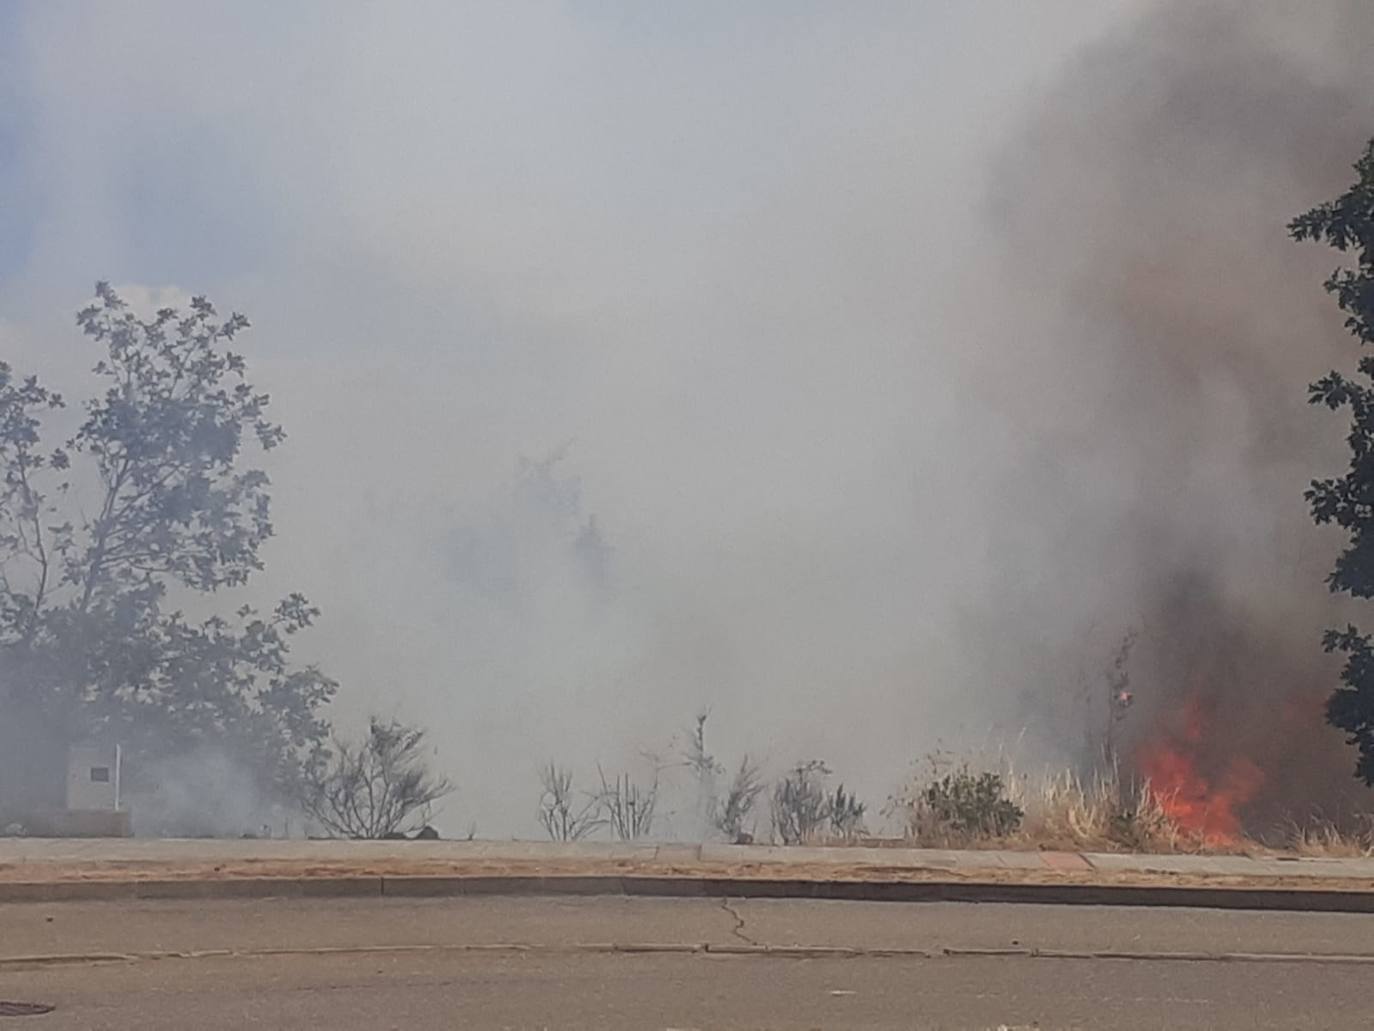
{"x":729,"y":816}
{"x":560,"y":814}
{"x":963,"y":808}
{"x":379,"y":787}
{"x":628,"y":807}
{"x":955,"y":807}
{"x":805,"y":811}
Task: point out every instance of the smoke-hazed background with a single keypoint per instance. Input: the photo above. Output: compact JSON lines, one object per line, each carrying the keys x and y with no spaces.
{"x":861,"y":373}
{"x":1159,"y":394}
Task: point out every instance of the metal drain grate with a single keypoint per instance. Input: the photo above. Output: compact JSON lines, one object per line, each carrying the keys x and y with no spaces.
{"x":23,"y":1009}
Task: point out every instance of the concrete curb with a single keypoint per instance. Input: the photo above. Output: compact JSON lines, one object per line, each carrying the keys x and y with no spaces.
{"x":648,"y":886}
{"x":37,"y":961}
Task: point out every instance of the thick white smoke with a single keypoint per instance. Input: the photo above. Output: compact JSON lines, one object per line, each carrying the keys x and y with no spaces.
{"x":904,"y":356}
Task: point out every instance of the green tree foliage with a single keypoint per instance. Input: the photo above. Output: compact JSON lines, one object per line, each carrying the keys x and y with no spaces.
{"x":104,"y":537}
{"x":1347,"y":224}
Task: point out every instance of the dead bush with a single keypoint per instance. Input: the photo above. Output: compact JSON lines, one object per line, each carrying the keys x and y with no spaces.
{"x":627,"y":806}
{"x":379,"y":787}
{"x":730,"y":815}
{"x":562,"y":818}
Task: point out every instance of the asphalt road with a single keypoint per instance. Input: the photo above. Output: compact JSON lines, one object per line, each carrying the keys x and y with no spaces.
{"x":548,"y":963}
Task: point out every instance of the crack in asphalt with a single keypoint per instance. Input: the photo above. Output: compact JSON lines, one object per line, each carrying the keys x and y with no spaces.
{"x":738,"y":929}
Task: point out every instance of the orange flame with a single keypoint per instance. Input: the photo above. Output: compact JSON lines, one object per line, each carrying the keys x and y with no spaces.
{"x":1204,"y":804}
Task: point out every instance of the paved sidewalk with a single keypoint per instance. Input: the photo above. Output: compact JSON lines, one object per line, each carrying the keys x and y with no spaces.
{"x":51,"y":869}
{"x":16,"y":854}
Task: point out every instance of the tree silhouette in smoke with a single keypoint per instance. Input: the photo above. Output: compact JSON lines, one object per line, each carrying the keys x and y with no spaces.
{"x":1347,"y":223}
{"x":149,"y":503}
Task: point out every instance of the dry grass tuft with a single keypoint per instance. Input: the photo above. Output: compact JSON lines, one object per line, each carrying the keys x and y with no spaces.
{"x":1103,"y":813}
{"x":1055,"y":811}
{"x":1327,"y":841}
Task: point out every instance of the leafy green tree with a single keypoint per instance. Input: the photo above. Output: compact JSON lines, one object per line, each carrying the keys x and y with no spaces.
{"x":1347,"y":224}
{"x":151,"y":501}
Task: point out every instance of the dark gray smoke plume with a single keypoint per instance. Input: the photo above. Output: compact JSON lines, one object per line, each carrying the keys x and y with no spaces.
{"x":1164,"y":390}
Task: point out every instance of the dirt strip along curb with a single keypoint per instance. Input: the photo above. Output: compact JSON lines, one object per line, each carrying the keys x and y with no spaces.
{"x":1193,"y":896}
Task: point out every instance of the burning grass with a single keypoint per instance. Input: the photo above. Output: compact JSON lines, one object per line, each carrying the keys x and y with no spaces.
{"x":1204,"y":801}
{"x":956,"y":807}
{"x":1101,"y":813}
{"x":961,"y":808}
